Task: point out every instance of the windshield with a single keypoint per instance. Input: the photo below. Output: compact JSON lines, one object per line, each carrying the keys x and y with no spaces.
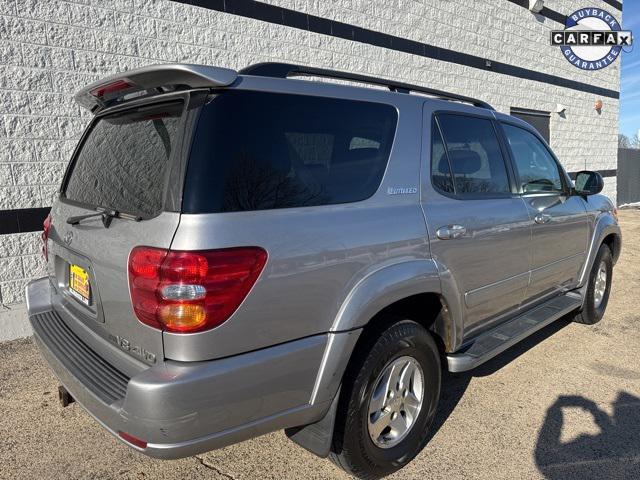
{"x":125,"y":160}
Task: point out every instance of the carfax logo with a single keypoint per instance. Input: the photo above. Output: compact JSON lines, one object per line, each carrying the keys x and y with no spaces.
{"x":592,"y":39}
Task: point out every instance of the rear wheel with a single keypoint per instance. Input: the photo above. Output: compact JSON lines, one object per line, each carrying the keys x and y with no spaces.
{"x":389,"y":399}
{"x":599,"y":287}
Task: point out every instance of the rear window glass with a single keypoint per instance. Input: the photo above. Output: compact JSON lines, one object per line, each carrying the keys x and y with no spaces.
{"x":124,"y":161}
{"x":258,"y":150}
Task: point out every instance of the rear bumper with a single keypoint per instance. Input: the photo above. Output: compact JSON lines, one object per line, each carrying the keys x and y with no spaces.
{"x":184,"y":408}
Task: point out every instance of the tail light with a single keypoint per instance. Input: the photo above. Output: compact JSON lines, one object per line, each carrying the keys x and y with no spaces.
{"x":45,"y":237}
{"x":191,"y":291}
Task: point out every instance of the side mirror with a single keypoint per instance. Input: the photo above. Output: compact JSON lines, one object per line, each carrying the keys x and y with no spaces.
{"x":588,"y":183}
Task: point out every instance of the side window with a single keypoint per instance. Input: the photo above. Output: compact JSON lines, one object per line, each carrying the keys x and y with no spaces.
{"x":259,"y":150}
{"x":474,"y":155}
{"x":537,"y":170}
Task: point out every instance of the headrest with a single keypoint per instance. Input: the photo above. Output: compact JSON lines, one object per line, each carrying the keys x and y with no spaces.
{"x":443,"y":165}
{"x":464,"y":162}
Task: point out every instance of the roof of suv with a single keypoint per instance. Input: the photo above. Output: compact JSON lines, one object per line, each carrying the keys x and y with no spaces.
{"x":163,"y":78}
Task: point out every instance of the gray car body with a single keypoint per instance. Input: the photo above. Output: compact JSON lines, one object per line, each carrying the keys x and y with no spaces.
{"x":279,"y":360}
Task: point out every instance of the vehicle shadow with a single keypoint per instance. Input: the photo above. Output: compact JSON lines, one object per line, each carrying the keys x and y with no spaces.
{"x":613,"y":453}
{"x":454,"y":385}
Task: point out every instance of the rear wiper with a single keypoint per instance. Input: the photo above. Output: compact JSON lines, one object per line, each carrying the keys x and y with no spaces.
{"x":107,"y":216}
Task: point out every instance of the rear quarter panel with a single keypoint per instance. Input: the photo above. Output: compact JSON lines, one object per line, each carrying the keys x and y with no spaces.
{"x":317,"y":255}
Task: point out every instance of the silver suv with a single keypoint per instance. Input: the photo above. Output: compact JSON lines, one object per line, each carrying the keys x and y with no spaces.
{"x":234,"y":253}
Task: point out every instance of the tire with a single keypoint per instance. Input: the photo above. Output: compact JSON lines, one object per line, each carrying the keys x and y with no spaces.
{"x":403,"y":347}
{"x":596,"y":300}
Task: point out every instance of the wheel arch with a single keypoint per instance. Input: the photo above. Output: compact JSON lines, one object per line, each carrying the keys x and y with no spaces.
{"x":427,"y":309}
{"x":614,"y":242}
{"x":409,"y":290}
{"x":412,"y":289}
{"x":606,"y":231}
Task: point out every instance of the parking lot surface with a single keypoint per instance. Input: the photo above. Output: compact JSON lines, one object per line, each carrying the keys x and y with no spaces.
{"x":564,"y":404}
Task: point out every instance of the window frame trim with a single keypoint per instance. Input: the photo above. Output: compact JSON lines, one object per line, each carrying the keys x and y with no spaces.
{"x":511,"y":178}
{"x":566,"y":186}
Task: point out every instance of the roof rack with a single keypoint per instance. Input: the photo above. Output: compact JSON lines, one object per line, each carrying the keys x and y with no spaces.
{"x":284,"y":70}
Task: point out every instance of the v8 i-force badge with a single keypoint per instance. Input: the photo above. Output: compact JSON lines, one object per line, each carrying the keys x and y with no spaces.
{"x":592,"y":39}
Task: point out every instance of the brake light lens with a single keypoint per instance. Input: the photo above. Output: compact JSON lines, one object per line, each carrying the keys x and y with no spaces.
{"x":45,"y":237}
{"x":191,"y":291}
{"x":109,"y":88}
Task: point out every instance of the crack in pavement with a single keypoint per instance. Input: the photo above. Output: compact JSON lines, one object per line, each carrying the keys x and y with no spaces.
{"x":214,"y":468}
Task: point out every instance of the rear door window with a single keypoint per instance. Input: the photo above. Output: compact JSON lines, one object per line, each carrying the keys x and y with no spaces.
{"x":259,"y":150}
{"x":474,"y":156}
{"x":125,"y":159}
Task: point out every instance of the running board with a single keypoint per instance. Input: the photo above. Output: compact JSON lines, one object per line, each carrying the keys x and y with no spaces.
{"x":504,"y":336}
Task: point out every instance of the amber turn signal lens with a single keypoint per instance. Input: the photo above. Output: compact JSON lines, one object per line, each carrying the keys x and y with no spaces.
{"x":182,"y":317}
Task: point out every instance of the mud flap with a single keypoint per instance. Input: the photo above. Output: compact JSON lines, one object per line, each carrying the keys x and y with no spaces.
{"x":64,"y":396}
{"x":317,"y":437}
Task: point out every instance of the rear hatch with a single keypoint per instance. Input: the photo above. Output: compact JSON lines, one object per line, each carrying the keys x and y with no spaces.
{"x":129,"y":165}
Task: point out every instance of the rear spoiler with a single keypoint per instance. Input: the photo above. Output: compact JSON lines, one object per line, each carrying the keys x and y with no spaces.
{"x":149,"y":80}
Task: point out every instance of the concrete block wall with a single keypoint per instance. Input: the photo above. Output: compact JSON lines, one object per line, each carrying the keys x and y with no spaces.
{"x":51,"y":48}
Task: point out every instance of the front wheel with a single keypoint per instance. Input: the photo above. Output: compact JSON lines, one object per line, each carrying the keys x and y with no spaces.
{"x":390,"y":396}
{"x":598,"y":289}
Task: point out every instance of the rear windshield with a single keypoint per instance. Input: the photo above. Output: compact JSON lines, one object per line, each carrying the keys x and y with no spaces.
{"x":124,"y":161}
{"x":257,"y":151}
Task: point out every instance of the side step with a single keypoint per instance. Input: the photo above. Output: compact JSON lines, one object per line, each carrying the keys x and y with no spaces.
{"x":496,"y":341}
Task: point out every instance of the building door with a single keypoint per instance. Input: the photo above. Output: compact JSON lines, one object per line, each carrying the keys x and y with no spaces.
{"x":537,"y":119}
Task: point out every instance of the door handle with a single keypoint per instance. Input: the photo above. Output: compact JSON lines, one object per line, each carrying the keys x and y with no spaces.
{"x":450,"y":232}
{"x":542,"y":218}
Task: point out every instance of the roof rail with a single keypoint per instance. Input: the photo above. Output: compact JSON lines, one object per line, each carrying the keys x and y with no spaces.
{"x":284,"y":70}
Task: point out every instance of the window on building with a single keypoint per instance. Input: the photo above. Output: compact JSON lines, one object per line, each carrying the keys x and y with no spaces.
{"x":469,"y":148}
{"x":536,"y":118}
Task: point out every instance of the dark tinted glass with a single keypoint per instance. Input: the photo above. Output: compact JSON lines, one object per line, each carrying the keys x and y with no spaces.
{"x":474,"y":152}
{"x":124,"y":162}
{"x":257,"y":151}
{"x":537,"y":169}
{"x":440,"y":171}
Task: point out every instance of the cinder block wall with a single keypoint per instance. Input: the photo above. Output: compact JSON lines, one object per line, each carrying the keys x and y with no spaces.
{"x":50,"y":48}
